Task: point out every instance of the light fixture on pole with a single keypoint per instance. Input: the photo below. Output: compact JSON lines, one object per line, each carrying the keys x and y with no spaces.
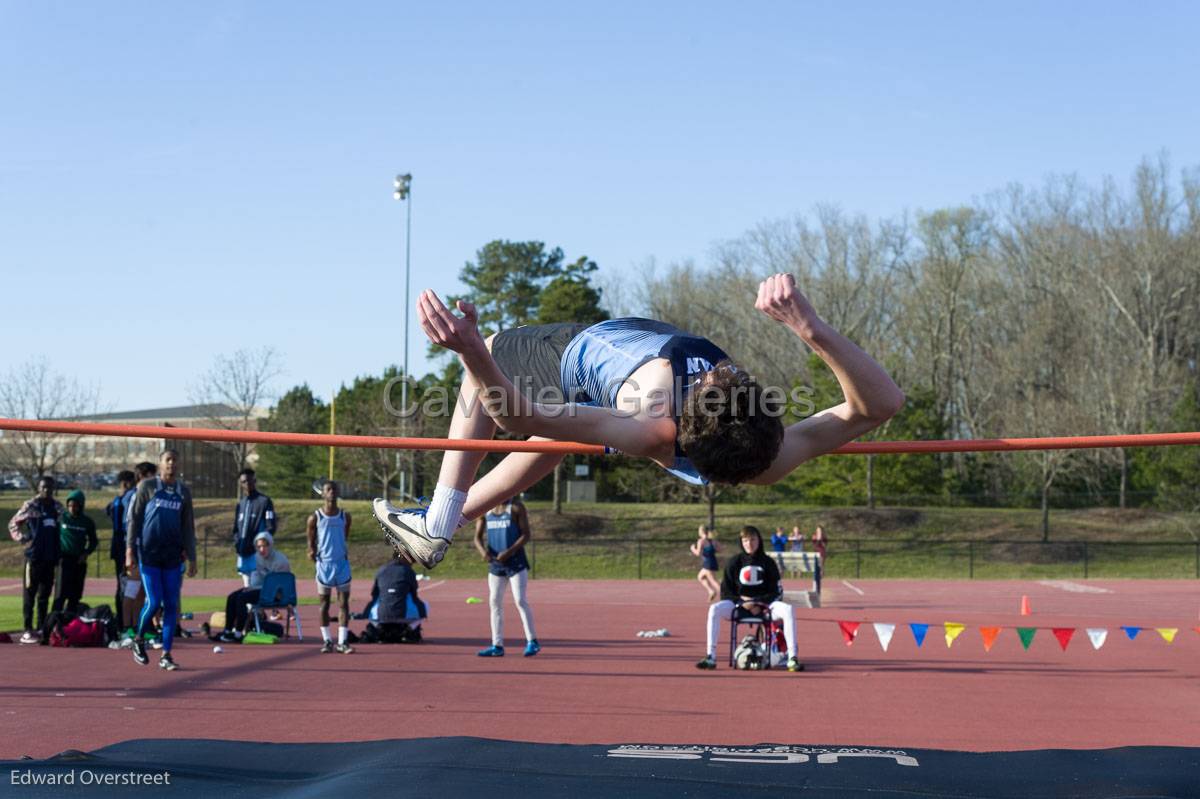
{"x":403,"y":192}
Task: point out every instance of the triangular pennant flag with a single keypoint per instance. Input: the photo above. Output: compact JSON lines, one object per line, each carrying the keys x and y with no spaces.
{"x":1063,"y":634}
{"x":989,"y":637}
{"x":1168,"y":633}
{"x":1026,"y":634}
{"x":884,"y":631}
{"x":1132,"y":632}
{"x":953,"y":630}
{"x":849,"y":630}
{"x":918,"y":631}
{"x":1097,"y":635}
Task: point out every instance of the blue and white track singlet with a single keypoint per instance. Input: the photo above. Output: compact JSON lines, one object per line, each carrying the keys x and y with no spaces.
{"x":598,"y":361}
{"x":331,"y":536}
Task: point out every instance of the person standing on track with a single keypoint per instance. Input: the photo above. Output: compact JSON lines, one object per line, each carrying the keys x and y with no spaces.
{"x":820,"y":542}
{"x":328,"y":534}
{"x":706,"y":548}
{"x":500,"y":538}
{"x":76,"y":542}
{"x":162,"y":535}
{"x":255,"y":514}
{"x":116,"y":512}
{"x":36,"y":525}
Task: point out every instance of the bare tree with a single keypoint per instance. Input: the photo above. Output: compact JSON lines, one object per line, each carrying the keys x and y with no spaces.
{"x":234,"y":391}
{"x":33,"y":391}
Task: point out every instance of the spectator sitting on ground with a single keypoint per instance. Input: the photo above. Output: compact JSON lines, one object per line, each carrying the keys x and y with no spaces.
{"x":395,"y":611}
{"x":76,"y":542}
{"x":267,"y":560}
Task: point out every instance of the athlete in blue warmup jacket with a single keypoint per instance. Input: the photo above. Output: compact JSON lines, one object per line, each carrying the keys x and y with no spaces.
{"x":161,"y":536}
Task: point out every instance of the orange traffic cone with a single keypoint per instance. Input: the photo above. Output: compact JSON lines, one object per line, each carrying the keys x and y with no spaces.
{"x":1025,"y":609}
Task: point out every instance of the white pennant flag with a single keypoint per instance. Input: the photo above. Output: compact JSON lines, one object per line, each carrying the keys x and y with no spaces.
{"x":884,"y":631}
{"x":1097,"y":635}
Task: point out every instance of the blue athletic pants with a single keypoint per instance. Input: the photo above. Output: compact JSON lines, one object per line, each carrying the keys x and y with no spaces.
{"x":162,"y":590}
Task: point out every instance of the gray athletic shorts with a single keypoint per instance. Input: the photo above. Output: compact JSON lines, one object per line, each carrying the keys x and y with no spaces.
{"x":531,"y":357}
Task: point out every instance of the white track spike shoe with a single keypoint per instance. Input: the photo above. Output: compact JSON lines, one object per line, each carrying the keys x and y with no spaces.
{"x":406,"y":531}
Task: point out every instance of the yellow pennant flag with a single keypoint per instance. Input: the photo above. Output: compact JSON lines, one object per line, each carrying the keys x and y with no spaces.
{"x":1168,"y":633}
{"x":953,"y":630}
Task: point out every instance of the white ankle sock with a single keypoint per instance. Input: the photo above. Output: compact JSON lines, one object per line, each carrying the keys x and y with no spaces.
{"x":442,"y":518}
{"x":342,"y":634}
{"x":325,"y":634}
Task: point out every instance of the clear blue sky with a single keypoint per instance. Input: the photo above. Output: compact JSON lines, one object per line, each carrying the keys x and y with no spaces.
{"x":217,"y":175}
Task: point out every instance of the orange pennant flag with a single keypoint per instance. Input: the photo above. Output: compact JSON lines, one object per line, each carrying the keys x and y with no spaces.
{"x":989,"y":637}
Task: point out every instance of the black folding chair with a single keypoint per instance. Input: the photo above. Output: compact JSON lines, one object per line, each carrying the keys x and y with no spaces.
{"x":763,"y":631}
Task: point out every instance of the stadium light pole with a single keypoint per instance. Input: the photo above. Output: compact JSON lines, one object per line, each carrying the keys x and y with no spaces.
{"x":403,"y":192}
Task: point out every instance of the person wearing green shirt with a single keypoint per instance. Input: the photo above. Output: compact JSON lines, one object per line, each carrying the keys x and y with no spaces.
{"x":76,"y":541}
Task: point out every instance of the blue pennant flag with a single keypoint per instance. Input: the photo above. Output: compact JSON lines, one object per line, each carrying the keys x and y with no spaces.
{"x":1132,"y":632}
{"x":918,"y":631}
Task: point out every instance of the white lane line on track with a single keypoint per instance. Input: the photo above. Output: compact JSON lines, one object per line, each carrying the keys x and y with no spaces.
{"x":1075,"y":588}
{"x":853,"y":588}
{"x":434,"y":585}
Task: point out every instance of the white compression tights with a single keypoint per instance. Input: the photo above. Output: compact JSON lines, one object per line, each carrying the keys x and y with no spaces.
{"x":724,"y":610}
{"x":496,"y":588}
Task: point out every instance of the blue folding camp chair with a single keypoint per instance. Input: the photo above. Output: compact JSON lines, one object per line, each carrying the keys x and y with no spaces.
{"x":278,"y":591}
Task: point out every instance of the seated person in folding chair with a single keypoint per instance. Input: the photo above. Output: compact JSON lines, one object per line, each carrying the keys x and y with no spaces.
{"x":267,"y":560}
{"x":751,"y":581}
{"x":395,"y":612}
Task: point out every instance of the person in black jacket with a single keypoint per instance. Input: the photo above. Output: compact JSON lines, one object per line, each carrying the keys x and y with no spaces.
{"x":751,"y":580}
{"x":36,"y":524}
{"x":255,"y":514}
{"x":395,"y":608}
{"x":116,"y":511}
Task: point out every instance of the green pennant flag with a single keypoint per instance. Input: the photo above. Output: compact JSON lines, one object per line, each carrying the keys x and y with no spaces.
{"x":1026,"y":634}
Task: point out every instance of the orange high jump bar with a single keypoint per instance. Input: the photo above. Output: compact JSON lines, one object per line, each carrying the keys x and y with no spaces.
{"x":571,"y":448}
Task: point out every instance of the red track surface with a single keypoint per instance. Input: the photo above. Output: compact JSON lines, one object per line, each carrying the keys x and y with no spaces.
{"x":595,"y":681}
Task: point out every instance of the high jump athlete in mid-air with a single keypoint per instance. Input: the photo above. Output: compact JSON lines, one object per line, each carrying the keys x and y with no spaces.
{"x":637,"y":386}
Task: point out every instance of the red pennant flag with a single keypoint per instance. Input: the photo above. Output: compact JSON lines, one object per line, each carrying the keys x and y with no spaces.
{"x":989,"y":637}
{"x":849,"y":630}
{"x":1063,"y":634}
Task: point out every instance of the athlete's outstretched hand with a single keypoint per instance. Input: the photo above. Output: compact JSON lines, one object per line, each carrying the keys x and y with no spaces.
{"x":779,"y":299}
{"x":457,"y":333}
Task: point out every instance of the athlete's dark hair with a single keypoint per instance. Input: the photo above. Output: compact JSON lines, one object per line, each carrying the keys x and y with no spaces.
{"x":145,"y":469}
{"x":247,"y":472}
{"x":126,"y":476}
{"x":328,"y":482}
{"x":46,"y":478}
{"x":168,"y":451}
{"x":728,"y":428}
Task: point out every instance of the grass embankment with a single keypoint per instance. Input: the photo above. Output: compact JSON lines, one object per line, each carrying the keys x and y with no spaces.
{"x":628,"y":540}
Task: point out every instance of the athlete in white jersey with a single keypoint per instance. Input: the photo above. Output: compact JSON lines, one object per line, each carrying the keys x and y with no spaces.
{"x":638,"y":386}
{"x":328,"y":532}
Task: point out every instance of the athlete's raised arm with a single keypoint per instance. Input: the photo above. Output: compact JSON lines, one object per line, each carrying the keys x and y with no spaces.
{"x":871,"y":396}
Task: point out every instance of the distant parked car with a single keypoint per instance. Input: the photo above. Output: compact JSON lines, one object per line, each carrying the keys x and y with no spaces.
{"x":14,"y":481}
